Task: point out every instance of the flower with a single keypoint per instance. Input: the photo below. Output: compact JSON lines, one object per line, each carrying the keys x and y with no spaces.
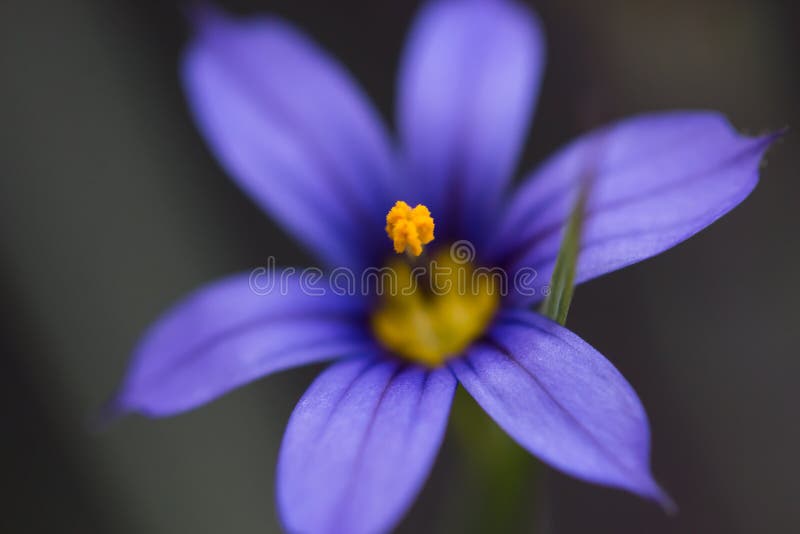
{"x":295,"y":132}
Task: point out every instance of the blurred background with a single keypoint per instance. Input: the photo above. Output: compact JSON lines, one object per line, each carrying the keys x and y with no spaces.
{"x":112,"y":208}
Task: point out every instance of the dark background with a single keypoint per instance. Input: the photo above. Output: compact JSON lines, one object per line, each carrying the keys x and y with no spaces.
{"x":112,"y":208}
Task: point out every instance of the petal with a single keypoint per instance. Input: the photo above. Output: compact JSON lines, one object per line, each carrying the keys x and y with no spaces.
{"x":654,"y":181}
{"x":232,"y":332}
{"x":360,"y":444}
{"x":294,"y":131}
{"x":562,"y":401}
{"x":469,"y":77}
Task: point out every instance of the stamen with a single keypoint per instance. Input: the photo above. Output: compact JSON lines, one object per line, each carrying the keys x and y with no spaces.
{"x":409,"y":228}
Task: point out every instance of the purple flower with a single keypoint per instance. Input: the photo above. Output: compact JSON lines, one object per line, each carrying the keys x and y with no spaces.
{"x":295,"y":132}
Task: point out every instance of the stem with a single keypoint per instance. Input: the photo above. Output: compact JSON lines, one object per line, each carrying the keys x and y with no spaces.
{"x":503,"y":474}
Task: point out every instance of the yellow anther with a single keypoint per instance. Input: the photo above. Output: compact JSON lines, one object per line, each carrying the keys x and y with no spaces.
{"x":409,"y":228}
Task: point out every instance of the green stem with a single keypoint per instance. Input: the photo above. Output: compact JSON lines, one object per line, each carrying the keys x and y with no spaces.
{"x":502,"y":475}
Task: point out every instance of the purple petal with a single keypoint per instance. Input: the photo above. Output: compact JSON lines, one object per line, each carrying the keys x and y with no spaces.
{"x":654,"y":181}
{"x":469,"y":77}
{"x":360,"y":444}
{"x":293,"y":129}
{"x":561,"y":400}
{"x":226,"y":334}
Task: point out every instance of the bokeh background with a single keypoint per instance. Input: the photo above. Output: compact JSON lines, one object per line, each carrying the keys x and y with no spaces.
{"x":111,"y":207}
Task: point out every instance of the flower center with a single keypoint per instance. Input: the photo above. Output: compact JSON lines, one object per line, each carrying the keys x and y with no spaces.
{"x":431,"y":310}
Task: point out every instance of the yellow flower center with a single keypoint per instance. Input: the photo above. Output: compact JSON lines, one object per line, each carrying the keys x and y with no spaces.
{"x":409,"y":228}
{"x":431,"y":311}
